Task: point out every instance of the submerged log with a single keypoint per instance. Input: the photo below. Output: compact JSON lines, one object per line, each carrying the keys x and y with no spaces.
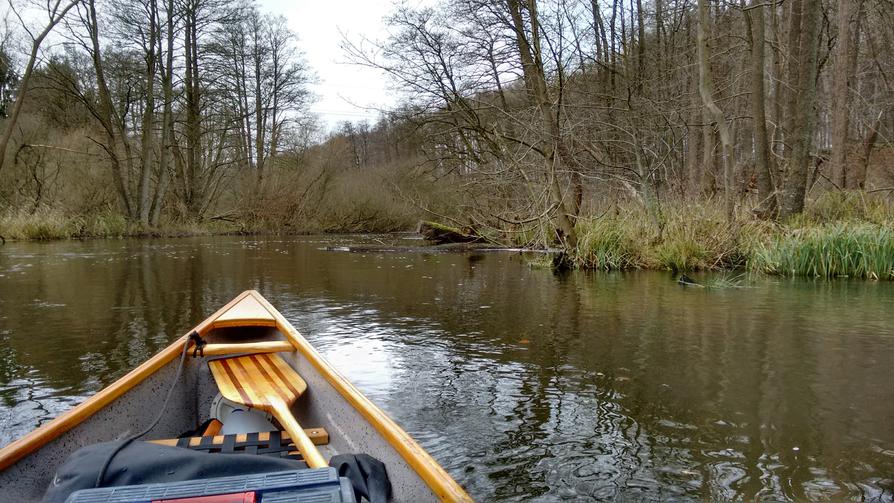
{"x":441,"y":234}
{"x":687,"y":281}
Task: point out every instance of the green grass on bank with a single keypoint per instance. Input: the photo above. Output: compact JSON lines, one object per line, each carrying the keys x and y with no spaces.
{"x":841,"y":249}
{"x":839,"y":235}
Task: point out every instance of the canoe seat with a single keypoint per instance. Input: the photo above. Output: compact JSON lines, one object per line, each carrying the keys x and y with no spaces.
{"x":267,"y":443}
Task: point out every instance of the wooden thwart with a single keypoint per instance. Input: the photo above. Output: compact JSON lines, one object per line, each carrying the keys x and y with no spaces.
{"x":248,"y":347}
{"x":268,"y":383}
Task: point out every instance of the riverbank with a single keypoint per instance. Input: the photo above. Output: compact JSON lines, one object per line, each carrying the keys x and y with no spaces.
{"x":838,"y":235}
{"x":51,"y":226}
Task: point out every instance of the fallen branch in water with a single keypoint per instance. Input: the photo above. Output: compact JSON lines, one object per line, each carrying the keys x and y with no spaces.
{"x":441,"y":234}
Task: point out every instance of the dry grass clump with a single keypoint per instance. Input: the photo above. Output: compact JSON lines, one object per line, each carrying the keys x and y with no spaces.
{"x":51,"y":224}
{"x":682,"y":237}
{"x":850,"y":206}
{"x":696,"y":237}
{"x":40,"y":225}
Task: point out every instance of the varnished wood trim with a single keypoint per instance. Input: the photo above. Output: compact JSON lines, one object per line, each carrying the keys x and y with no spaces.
{"x":209,"y":323}
{"x":246,"y":312}
{"x":246,"y":348}
{"x":244,"y":322}
{"x":39,"y":437}
{"x":440,"y":482}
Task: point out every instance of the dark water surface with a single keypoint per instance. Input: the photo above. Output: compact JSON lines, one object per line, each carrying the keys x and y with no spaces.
{"x":523,"y":384}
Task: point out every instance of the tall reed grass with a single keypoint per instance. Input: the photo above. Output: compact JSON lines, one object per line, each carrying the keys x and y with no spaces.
{"x":842,"y":249}
{"x":839,"y":235}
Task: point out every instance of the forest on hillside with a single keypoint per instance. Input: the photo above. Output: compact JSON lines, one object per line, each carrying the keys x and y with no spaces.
{"x":522,"y":120}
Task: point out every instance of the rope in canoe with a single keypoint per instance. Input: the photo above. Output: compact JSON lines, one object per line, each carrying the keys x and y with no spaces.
{"x":161,"y":413}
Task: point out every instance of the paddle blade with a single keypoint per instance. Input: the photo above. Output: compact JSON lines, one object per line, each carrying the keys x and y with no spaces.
{"x":257,"y":380}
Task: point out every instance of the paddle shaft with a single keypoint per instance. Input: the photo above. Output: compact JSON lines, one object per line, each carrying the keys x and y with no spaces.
{"x":308,"y":450}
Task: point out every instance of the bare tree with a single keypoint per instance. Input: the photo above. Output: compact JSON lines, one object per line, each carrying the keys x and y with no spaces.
{"x":55,"y":12}
{"x":766,"y":190}
{"x":166,"y":69}
{"x":706,"y":91}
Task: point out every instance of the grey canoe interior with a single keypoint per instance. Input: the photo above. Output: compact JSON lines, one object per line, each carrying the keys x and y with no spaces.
{"x":352,"y":429}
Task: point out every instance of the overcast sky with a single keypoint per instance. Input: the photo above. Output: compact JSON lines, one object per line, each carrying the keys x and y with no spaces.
{"x":344,"y":91}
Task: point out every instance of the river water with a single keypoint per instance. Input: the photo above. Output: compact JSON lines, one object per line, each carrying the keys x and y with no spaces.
{"x":524,"y":384}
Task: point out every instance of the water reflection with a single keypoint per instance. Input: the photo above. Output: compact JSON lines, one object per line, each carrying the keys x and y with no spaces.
{"x":525,"y":385}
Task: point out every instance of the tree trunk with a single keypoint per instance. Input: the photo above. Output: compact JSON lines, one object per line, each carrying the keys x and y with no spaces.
{"x":840,"y":92}
{"x":260,"y":119}
{"x":706,"y":90}
{"x":613,"y":54}
{"x":105,"y":112}
{"x":167,"y":119}
{"x":859,"y":178}
{"x":803,"y":95}
{"x":553,"y":149}
{"x":765,"y":188}
{"x":602,"y":51}
{"x":694,"y":183}
{"x":640,"y":46}
{"x":148,"y":132}
{"x":194,"y":185}
{"x":777,"y":78}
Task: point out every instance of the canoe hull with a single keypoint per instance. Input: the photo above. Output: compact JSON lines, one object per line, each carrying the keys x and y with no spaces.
{"x":354,"y":424}
{"x":131,"y":412}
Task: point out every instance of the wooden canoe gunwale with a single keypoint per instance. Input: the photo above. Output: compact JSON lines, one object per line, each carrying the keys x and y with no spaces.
{"x":45,"y":434}
{"x":437,"y":479}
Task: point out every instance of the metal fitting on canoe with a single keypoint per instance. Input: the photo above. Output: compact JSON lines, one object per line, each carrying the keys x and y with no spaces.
{"x":199,"y":348}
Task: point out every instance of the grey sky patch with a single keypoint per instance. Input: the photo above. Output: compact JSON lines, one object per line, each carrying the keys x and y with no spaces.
{"x":345,"y":92}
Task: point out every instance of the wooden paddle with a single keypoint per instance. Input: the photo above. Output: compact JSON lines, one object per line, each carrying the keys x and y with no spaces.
{"x":267,"y":382}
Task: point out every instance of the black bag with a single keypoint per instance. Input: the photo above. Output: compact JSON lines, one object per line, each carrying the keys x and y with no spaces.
{"x":147,"y":463}
{"x":367,"y":475}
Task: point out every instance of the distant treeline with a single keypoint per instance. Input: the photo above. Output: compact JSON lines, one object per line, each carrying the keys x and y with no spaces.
{"x":520,"y":119}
